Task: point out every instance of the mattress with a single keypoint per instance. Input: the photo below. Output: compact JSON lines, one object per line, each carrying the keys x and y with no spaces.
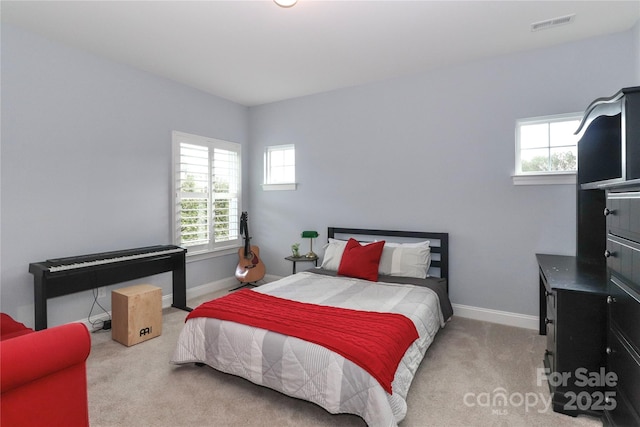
{"x":311,"y":372}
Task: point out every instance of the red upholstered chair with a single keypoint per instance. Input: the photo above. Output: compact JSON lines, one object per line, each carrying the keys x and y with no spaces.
{"x":43,"y":376}
{"x":9,"y":328}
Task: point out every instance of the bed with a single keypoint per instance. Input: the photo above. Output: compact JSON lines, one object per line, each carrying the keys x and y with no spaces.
{"x":244,"y":335}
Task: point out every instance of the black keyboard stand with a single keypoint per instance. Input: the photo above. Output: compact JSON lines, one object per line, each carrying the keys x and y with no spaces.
{"x":48,"y":284}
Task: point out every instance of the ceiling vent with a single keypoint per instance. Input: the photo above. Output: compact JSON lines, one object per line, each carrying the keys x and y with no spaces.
{"x":551,"y":23}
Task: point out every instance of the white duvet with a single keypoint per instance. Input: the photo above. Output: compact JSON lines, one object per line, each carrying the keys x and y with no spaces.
{"x":311,"y":372}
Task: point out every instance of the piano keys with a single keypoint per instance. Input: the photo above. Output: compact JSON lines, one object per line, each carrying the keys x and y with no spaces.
{"x":64,"y":276}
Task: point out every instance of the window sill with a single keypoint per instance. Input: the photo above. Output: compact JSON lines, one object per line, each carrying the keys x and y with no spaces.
{"x":202,"y":255}
{"x":279,"y":187}
{"x":561,"y":178}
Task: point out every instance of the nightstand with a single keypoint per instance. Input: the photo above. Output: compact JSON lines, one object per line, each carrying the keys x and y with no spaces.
{"x":294,"y":260}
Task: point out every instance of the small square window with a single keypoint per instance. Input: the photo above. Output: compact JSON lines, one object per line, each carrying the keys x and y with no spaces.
{"x":280,"y":167}
{"x":547,"y":145}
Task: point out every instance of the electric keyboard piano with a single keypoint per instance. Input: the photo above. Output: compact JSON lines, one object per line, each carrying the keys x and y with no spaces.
{"x":63,"y":276}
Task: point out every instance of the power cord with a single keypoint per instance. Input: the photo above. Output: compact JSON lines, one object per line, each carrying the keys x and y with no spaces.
{"x":98,"y":325}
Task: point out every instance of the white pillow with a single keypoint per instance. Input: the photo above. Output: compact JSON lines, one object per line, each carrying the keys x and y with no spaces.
{"x":333,"y":254}
{"x":405,"y":259}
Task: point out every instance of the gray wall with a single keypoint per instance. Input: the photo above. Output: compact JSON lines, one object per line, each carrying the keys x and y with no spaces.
{"x":86,"y":160}
{"x":86,"y":163}
{"x":436,"y":152}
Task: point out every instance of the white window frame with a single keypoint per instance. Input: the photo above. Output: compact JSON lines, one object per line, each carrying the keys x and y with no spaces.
{"x":542,"y":177}
{"x":270,"y":183}
{"x":211,"y":247}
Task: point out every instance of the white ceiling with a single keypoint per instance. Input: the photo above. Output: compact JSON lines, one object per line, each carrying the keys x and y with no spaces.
{"x":254,"y":52}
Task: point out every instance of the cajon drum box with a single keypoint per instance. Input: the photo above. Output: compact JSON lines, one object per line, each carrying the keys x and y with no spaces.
{"x":136,"y":314}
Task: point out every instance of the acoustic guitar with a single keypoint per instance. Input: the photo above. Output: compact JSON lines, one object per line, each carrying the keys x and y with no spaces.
{"x":250,"y":267}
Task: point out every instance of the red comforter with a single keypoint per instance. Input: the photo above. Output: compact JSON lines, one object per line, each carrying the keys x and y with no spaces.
{"x":374,"y":341}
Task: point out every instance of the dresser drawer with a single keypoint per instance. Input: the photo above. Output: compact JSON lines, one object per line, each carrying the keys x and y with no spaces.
{"x":551,"y":307}
{"x":625,"y":363}
{"x":623,"y":214}
{"x":623,"y":414}
{"x":550,"y":327}
{"x":624,"y":311}
{"x":623,"y":257}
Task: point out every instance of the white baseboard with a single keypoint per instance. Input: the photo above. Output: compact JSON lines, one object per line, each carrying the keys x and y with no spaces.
{"x":466,"y":311}
{"x":201,"y":290}
{"x":496,"y":316}
{"x":167,"y":300}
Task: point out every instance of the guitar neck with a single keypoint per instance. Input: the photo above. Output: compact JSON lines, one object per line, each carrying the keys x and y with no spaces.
{"x":244,"y":229}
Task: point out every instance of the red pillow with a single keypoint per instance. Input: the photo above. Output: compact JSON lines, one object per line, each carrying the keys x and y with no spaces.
{"x":361,"y":261}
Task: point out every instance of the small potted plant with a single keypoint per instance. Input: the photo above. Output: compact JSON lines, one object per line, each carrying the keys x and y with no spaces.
{"x":295,"y":249}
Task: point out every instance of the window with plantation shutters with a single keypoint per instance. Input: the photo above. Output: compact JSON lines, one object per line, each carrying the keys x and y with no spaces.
{"x":207,"y":193}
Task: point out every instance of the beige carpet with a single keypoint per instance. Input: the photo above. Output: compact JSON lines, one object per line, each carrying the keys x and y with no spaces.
{"x":469,"y":363}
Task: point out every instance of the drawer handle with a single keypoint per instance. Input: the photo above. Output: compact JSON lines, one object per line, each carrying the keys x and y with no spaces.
{"x":608,"y":212}
{"x":610,"y":299}
{"x":608,"y":254}
{"x":609,"y":350}
{"x":548,"y":321}
{"x":548,"y":352}
{"x":547,"y":294}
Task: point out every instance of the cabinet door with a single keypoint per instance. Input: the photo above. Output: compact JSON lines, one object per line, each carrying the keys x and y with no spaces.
{"x":580,"y":334}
